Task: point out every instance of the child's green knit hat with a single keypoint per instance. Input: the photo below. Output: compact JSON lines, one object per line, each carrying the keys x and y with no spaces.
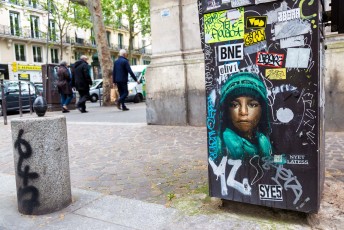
{"x":244,"y":83}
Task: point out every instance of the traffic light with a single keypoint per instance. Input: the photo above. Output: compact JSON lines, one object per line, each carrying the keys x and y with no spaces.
{"x":337,"y":16}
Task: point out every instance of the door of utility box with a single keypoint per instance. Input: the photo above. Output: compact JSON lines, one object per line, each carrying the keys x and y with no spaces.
{"x":265,"y":101}
{"x":50,"y":89}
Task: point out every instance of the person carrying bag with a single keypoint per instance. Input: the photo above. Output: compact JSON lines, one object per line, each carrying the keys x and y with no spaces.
{"x":64,"y":86}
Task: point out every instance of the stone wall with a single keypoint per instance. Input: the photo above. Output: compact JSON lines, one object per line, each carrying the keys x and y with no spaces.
{"x":334,"y":83}
{"x":175,"y":77}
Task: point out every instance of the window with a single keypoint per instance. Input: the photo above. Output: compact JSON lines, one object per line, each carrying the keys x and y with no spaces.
{"x":52,"y":30}
{"x":34,"y":22}
{"x":33,"y":3}
{"x":20,"y":52}
{"x":145,"y":62}
{"x":54,"y":56}
{"x":16,"y":2}
{"x":14,"y":23}
{"x":143,"y":46}
{"x":78,"y":39}
{"x":119,"y":22}
{"x":37,"y":54}
{"x":120,"y":41}
{"x":77,"y":55}
{"x":108,"y":37}
{"x":93,"y":40}
{"x":134,"y":61}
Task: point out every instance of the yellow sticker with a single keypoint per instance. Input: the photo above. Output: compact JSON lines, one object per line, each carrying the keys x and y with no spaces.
{"x":276,"y":74}
{"x":224,"y":25}
{"x":254,"y":37}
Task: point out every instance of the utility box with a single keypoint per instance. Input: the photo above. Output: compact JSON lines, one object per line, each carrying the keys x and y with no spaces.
{"x":50,"y":90}
{"x":265,"y":101}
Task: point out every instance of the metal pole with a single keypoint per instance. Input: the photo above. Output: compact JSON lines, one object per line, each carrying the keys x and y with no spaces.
{"x":100,"y":98}
{"x":20,"y":100}
{"x":3,"y":101}
{"x":47,"y":68}
{"x":29,"y":85}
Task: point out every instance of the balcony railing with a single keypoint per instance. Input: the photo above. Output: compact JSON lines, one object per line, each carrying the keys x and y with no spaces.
{"x":27,"y":34}
{"x":33,"y":4}
{"x":39,"y":36}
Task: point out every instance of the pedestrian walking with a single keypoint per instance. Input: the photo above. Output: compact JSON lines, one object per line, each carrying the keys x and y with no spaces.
{"x":81,"y":81}
{"x":64,"y":86}
{"x":121,"y":69}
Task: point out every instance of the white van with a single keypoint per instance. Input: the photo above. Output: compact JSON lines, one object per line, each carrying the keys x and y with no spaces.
{"x":137,"y":92}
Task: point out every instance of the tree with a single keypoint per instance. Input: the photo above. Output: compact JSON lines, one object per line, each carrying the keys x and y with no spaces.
{"x":137,"y":12}
{"x":104,"y":55}
{"x":62,"y":15}
{"x":138,"y":15}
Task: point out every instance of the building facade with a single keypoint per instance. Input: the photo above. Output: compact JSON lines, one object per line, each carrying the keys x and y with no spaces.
{"x":25,"y":45}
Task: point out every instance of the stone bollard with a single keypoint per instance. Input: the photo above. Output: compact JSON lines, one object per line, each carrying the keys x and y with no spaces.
{"x":41,"y":163}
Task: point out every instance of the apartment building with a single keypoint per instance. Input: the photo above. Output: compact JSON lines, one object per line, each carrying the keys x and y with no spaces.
{"x":25,"y":46}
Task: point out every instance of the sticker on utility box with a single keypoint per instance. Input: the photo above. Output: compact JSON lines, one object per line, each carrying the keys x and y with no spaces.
{"x":256,"y":22}
{"x":231,"y":52}
{"x":270,"y":192}
{"x":224,"y":25}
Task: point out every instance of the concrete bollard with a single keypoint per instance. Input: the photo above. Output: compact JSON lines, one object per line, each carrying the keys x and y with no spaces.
{"x":41,"y":161}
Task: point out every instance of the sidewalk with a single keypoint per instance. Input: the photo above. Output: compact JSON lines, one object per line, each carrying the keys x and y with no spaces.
{"x":123,"y":173}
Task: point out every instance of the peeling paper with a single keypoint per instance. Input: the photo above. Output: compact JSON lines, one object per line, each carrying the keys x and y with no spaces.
{"x":297,"y":58}
{"x":292,"y":41}
{"x":291,"y":28}
{"x":273,"y":15}
{"x":255,"y":48}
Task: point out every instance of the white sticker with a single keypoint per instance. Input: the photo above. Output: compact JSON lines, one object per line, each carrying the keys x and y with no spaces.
{"x":232,"y":52}
{"x":297,"y":58}
{"x":270,"y":192}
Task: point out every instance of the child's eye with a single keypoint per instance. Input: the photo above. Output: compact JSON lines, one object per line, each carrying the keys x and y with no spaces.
{"x":234,"y":104}
{"x":254,"y":104}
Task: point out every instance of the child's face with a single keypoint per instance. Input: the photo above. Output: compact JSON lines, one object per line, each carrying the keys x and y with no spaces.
{"x":245,"y":113}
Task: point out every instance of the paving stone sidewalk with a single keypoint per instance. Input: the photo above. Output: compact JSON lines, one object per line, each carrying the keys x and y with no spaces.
{"x":167,"y":165}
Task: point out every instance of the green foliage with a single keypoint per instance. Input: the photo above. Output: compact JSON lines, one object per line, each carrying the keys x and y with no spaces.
{"x":137,"y":13}
{"x":108,"y":7}
{"x":66,"y":13}
{"x":82,"y":17}
{"x":170,"y":196}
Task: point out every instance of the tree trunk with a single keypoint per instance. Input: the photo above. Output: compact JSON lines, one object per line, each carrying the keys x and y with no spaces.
{"x":131,"y":39}
{"x":61,"y":47}
{"x":104,"y":55}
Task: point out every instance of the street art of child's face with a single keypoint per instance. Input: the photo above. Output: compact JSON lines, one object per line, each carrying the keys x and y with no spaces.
{"x":245,"y":113}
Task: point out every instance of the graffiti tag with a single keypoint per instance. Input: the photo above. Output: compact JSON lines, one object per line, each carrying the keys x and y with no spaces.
{"x":28,"y":194}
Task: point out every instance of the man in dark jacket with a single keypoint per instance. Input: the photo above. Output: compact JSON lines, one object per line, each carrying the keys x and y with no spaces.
{"x":81,"y":81}
{"x":121,"y":69}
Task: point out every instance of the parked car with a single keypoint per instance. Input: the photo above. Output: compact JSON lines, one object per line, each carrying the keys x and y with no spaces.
{"x":39,"y":88}
{"x":11,"y":95}
{"x":137,"y":92}
{"x":96,"y":90}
